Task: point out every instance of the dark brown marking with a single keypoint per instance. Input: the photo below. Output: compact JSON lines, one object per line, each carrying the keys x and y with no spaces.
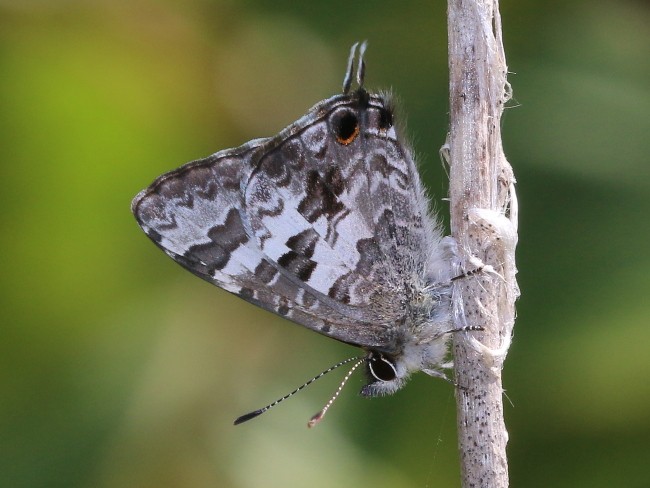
{"x":208,"y":191}
{"x":246,"y":293}
{"x":283,"y":309}
{"x":319,"y":199}
{"x":308,"y":300}
{"x":339,"y":291}
{"x":166,"y":226}
{"x":210,"y":253}
{"x":265,"y":272}
{"x":379,"y":164}
{"x":274,"y":165}
{"x":271,"y":212}
{"x":292,"y":152}
{"x":231,"y":234}
{"x":298,"y":265}
{"x":225,"y":239}
{"x":303,"y":243}
{"x":370,"y":253}
{"x":227,"y":172}
{"x":154,"y":236}
{"x":185,"y":200}
{"x":321,"y":153}
{"x":334,"y":180}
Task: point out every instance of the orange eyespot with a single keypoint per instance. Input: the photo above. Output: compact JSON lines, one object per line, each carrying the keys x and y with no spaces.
{"x":346,"y":126}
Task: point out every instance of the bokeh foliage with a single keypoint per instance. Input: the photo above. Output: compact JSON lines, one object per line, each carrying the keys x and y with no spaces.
{"x":118,"y":368}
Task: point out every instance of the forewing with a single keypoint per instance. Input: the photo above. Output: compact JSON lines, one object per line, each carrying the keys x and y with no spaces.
{"x":347,"y":218}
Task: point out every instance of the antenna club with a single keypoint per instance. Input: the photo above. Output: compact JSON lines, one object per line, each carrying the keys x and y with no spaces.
{"x":319,"y":416}
{"x":315,"y":419}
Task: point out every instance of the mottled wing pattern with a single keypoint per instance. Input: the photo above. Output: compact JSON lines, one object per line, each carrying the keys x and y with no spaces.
{"x":324,"y":223}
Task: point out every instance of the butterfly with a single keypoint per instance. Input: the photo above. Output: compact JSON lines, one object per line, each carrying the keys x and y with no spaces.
{"x":326,"y":224}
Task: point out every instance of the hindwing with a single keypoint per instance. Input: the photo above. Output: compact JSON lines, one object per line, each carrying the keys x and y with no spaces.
{"x":325,"y":224}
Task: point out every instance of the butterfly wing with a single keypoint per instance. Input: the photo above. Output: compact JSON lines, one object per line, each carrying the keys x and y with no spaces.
{"x":325,"y":223}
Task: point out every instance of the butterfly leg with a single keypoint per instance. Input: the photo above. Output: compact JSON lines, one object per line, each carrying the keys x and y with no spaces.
{"x":439,"y":374}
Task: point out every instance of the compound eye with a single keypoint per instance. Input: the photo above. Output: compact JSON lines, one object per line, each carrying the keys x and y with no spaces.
{"x":345,"y":124}
{"x":381,"y":367}
{"x":385,"y":119}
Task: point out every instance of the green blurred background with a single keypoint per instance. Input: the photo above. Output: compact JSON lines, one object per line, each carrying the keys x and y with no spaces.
{"x":120,"y":369}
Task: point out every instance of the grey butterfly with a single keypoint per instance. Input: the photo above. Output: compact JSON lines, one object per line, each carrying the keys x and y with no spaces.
{"x":327,"y":224}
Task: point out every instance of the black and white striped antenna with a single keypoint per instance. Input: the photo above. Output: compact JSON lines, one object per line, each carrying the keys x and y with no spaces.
{"x":361,"y":67}
{"x":252,"y":415}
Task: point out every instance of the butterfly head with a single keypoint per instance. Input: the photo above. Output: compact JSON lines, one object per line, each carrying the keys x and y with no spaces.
{"x":387,"y":372}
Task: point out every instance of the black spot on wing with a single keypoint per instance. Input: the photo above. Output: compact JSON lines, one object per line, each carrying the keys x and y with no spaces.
{"x":340,"y":290}
{"x":210,"y":254}
{"x":154,"y":235}
{"x":334,"y":180}
{"x":225,"y":238}
{"x":369,"y":253}
{"x":297,"y":265}
{"x":274,"y":165}
{"x":308,"y":300}
{"x":246,"y":293}
{"x":304,"y":243}
{"x":265,"y":272}
{"x":320,"y":198}
{"x":321,"y":153}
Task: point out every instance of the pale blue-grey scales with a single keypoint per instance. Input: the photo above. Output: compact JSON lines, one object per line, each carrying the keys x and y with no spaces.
{"x":326,"y":224}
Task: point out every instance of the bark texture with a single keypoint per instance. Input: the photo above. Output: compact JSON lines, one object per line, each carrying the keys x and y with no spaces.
{"x":484,"y":224}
